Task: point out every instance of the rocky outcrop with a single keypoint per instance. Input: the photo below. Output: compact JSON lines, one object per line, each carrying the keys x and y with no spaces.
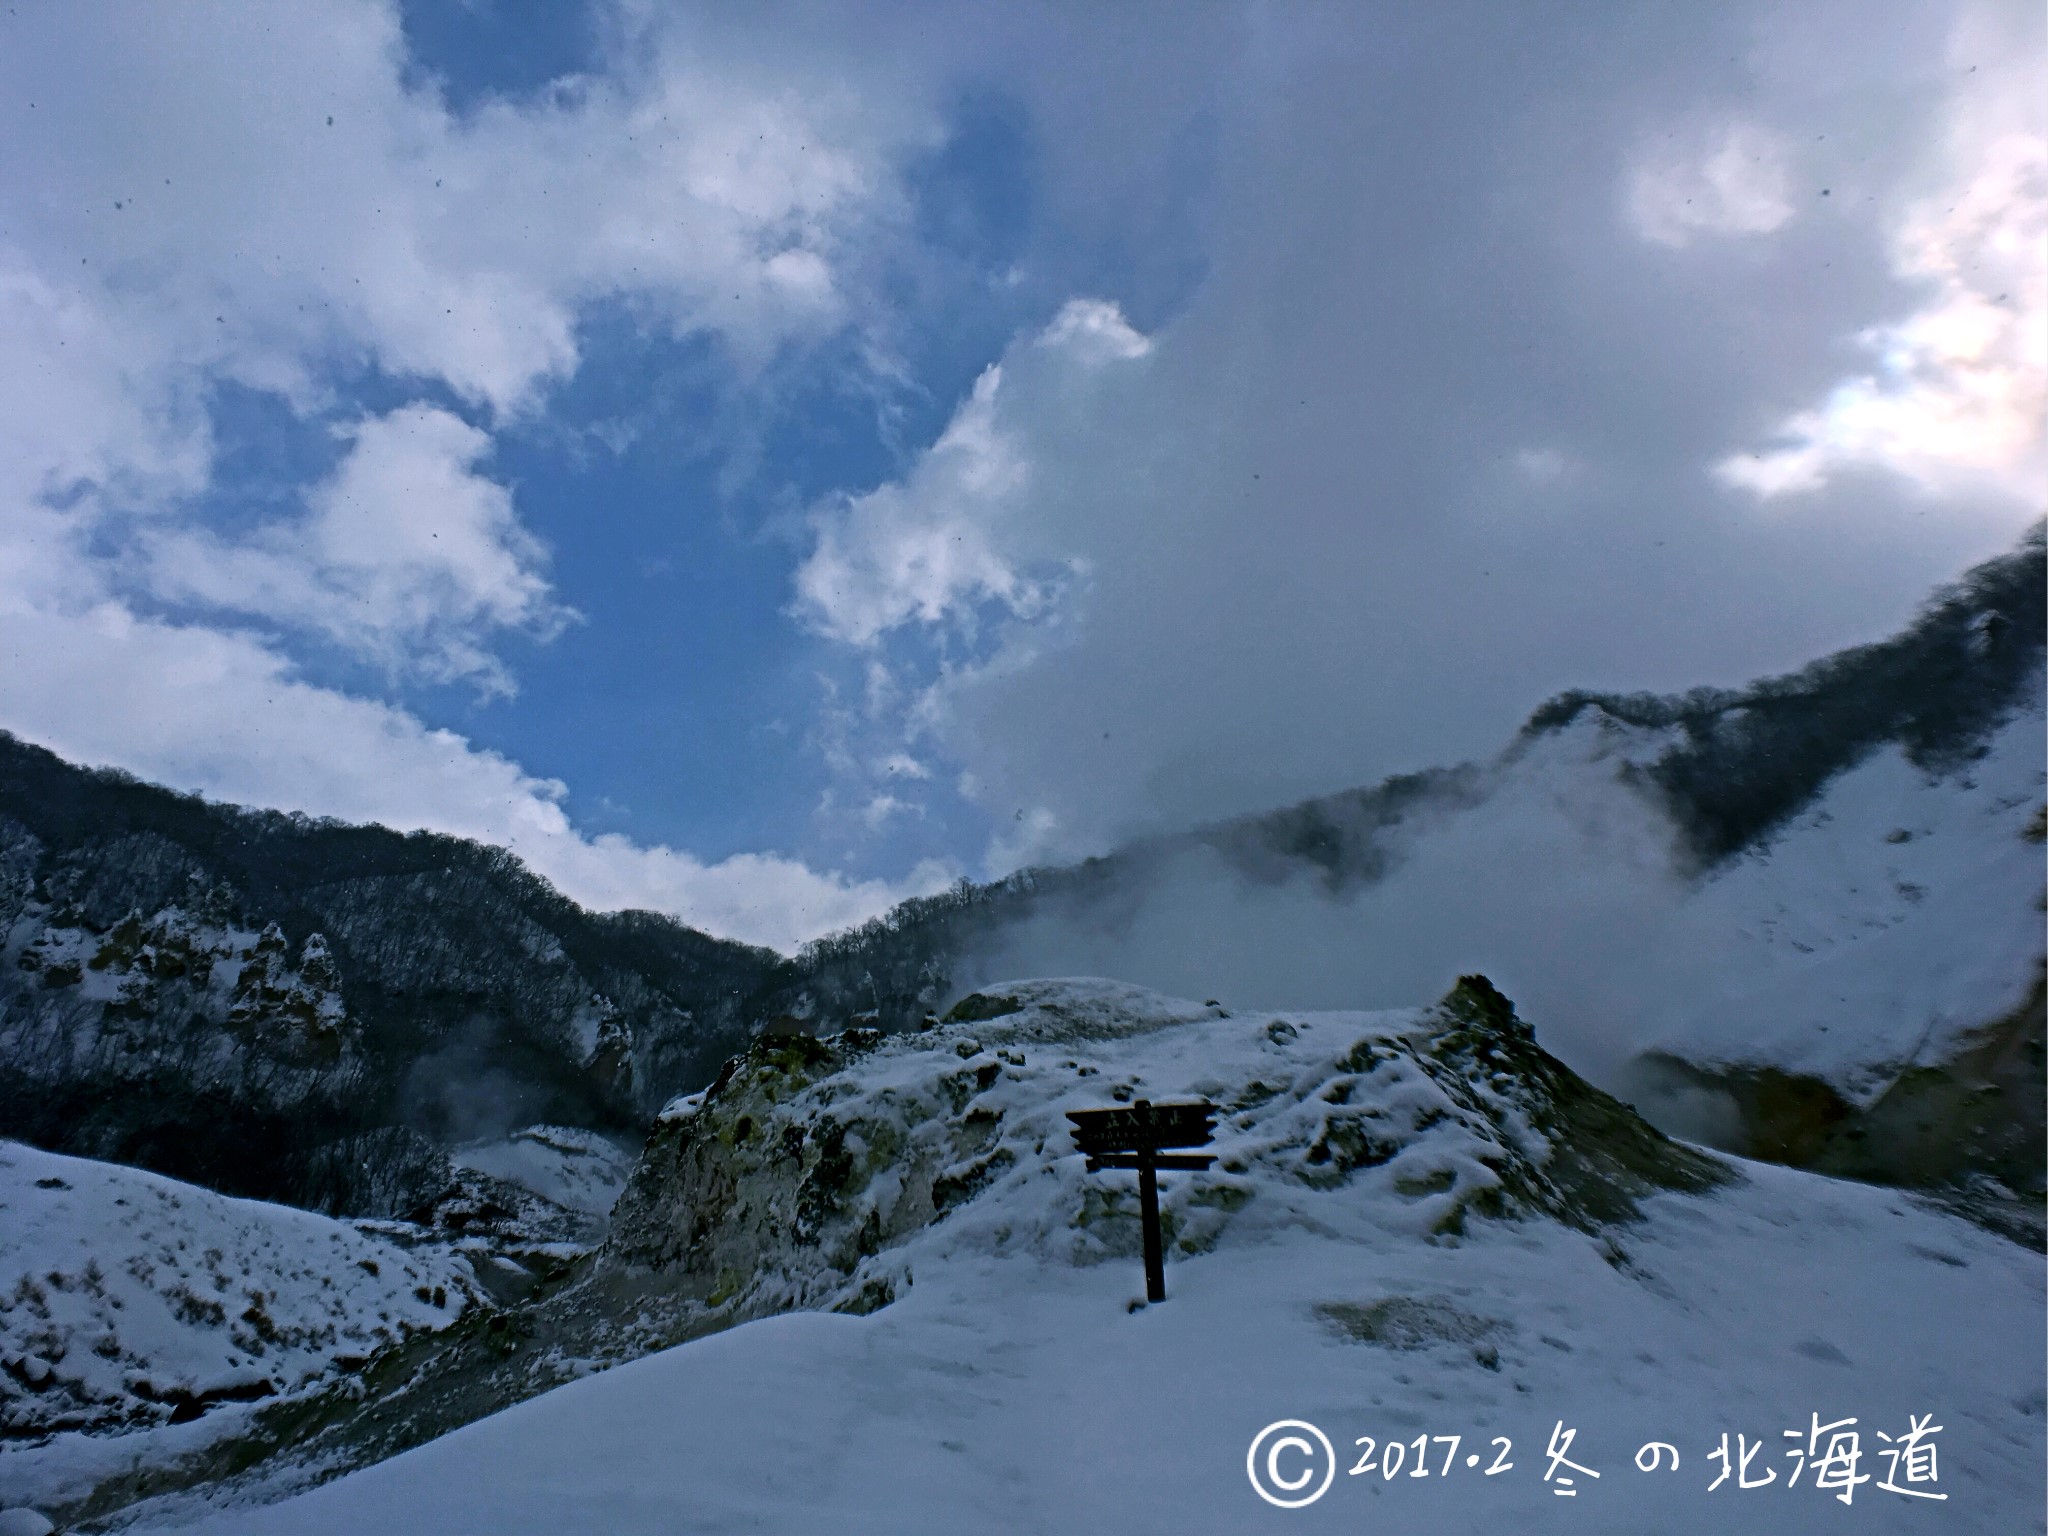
{"x":789,"y":1181}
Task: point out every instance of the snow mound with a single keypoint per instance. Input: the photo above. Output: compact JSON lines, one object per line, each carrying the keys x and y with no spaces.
{"x":129,"y":1300}
{"x":788,"y":1182}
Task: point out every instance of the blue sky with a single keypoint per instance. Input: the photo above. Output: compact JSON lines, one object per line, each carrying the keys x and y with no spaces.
{"x":759,"y":462}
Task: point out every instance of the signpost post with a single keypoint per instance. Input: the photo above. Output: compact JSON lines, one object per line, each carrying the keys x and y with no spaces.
{"x":1132,"y":1138}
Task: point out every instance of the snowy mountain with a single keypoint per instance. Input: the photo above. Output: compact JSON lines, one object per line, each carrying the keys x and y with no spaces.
{"x":1421,"y":1225}
{"x":316,"y":1013}
{"x":320,"y":1012}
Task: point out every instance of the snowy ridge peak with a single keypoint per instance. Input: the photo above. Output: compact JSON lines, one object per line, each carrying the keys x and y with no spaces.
{"x":1740,"y":762}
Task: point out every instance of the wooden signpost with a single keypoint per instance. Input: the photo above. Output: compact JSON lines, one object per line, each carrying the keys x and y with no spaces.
{"x":1131,"y":1137}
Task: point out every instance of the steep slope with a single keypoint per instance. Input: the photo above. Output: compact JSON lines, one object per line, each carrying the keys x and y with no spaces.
{"x":307,"y":1011}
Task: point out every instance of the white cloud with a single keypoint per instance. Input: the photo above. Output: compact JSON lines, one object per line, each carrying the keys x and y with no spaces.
{"x":882,"y":809}
{"x":937,"y":545}
{"x":1027,"y":837}
{"x":406,"y":556}
{"x":1960,"y":391}
{"x":923,"y":547}
{"x":261,"y":194}
{"x":954,"y":572}
{"x":263,"y":184}
{"x":1094,"y":331}
{"x":1733,"y":181}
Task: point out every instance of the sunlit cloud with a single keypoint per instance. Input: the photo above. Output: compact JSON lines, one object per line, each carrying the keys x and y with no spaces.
{"x":1959,"y":388}
{"x":937,"y":545}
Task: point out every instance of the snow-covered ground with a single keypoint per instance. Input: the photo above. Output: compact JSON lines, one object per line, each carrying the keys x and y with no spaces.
{"x":576,"y":1169}
{"x":1012,"y":1387}
{"x":1016,"y":1397}
{"x":133,"y":1302}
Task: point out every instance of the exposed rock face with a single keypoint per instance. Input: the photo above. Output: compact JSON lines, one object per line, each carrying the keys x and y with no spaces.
{"x":310,"y":1012}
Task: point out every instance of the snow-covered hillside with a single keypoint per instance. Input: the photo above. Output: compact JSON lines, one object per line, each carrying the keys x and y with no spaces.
{"x":133,"y":1303}
{"x":1419,"y":1226}
{"x":315,"y":1013}
{"x":1862,"y":992}
{"x":1896,"y":915}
